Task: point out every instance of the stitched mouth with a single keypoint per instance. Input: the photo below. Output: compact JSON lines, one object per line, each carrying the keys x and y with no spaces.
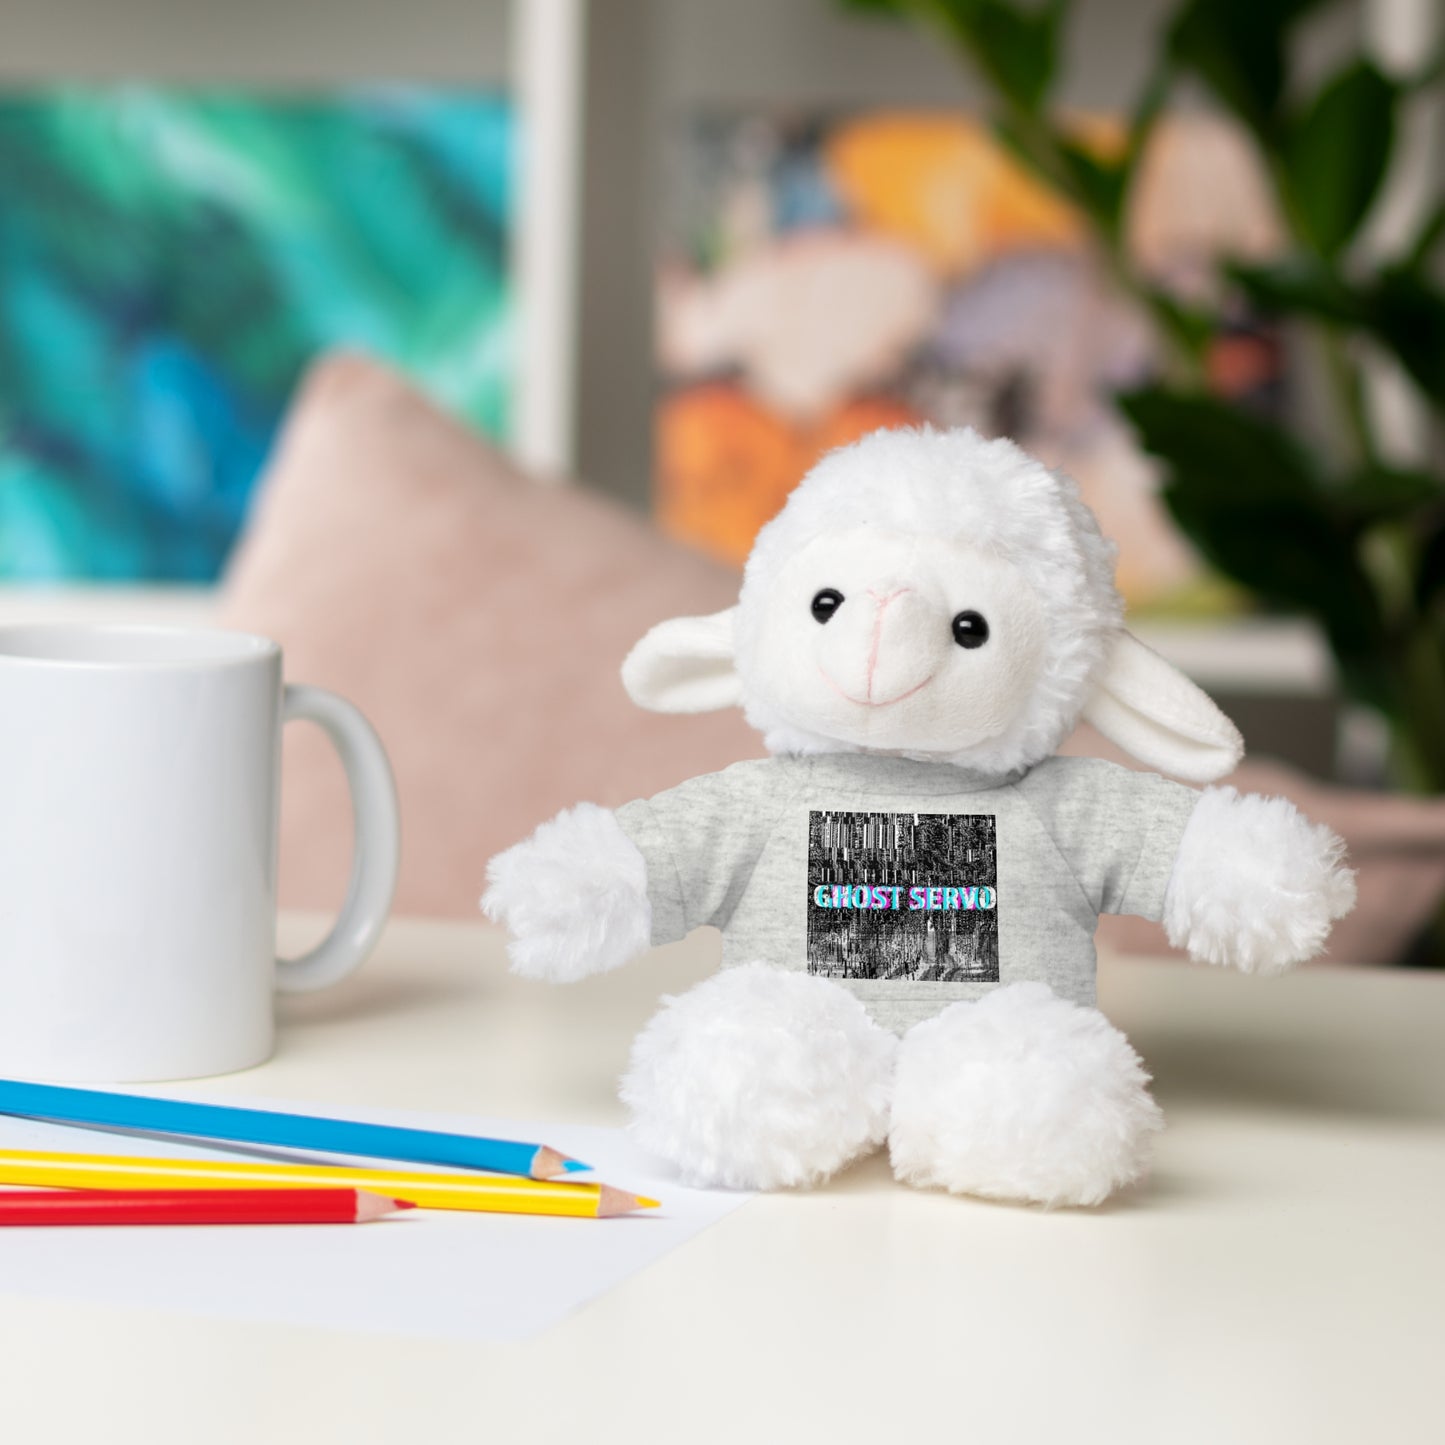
{"x":866,"y":702}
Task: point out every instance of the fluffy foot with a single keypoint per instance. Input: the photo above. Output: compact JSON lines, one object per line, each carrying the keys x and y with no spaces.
{"x":1256,"y":884}
{"x":760,"y":1079}
{"x":573,"y":896}
{"x":1021,"y":1096}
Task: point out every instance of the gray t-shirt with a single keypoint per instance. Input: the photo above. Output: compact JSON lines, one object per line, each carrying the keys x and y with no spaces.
{"x":912,"y":884}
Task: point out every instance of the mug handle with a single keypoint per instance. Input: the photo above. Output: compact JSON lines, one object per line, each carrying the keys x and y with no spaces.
{"x":377,"y":847}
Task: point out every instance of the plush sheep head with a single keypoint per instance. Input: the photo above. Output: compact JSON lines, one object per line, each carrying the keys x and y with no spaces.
{"x":933,"y":595}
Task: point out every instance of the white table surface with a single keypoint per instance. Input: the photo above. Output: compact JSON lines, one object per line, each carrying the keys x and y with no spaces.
{"x":1281,"y":1279}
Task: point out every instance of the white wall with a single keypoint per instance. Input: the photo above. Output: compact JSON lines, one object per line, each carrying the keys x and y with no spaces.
{"x":284,"y":41}
{"x":812,"y":53}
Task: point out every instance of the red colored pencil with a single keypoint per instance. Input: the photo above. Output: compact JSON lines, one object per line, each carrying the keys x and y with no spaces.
{"x":194,"y":1206}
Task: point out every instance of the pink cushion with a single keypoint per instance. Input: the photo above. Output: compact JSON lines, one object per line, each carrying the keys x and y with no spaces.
{"x":477,"y":618}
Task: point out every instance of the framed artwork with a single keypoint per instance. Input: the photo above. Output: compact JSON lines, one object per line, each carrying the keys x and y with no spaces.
{"x":822,"y":276}
{"x":172,"y":259}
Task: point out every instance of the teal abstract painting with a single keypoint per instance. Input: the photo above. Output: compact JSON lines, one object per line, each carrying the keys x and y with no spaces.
{"x":171,"y":260}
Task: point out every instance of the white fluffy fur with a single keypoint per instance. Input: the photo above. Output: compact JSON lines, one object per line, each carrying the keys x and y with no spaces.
{"x":763,"y":1078}
{"x":1021,"y":1096}
{"x":1255,"y":883}
{"x":989,"y":494}
{"x":760,"y":1079}
{"x":573,"y":896}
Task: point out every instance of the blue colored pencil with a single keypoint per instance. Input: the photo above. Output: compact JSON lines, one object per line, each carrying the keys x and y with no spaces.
{"x":103,"y":1110}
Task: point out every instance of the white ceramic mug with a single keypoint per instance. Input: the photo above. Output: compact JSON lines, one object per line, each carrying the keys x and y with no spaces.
{"x":139,"y":790}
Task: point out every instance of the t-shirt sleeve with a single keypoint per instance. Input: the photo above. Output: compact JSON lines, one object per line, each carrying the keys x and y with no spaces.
{"x":1118,"y":830}
{"x":701,"y":841}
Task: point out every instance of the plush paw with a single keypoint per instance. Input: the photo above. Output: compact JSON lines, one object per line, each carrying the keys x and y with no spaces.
{"x":1021,"y":1096}
{"x":760,"y":1079}
{"x":1255,"y":884}
{"x":573,"y":896}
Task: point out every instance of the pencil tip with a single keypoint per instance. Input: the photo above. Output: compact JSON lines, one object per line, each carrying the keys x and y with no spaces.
{"x":612,"y":1201}
{"x":548,"y":1163}
{"x":377,"y":1206}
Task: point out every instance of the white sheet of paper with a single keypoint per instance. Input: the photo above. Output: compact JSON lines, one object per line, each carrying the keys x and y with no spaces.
{"x":422,"y":1273}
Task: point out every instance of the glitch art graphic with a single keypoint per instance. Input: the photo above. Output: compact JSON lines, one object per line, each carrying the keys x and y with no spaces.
{"x":903,"y":896}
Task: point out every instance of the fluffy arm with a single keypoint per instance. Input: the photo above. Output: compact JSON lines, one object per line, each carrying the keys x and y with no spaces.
{"x":573,"y":896}
{"x":1255,"y":884}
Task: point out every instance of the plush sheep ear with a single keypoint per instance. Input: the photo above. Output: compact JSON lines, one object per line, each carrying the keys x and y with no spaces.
{"x":1157,"y":715}
{"x":685,"y":665}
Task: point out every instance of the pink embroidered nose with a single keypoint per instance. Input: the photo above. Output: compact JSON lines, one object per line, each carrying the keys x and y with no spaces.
{"x":882,"y":600}
{"x":883,"y":646}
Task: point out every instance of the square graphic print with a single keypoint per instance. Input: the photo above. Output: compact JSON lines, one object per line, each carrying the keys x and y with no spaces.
{"x":903,"y":896}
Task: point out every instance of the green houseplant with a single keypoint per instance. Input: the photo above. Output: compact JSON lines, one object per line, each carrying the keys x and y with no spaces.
{"x":1330,"y":528}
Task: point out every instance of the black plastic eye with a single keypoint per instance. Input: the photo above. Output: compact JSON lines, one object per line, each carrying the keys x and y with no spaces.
{"x":827,"y":602}
{"x":969,"y":629}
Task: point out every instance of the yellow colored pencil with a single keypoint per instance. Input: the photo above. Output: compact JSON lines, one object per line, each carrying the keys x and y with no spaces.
{"x":491,"y":1193}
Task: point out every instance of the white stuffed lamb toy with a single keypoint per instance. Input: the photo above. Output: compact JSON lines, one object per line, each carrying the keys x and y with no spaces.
{"x":908,"y":888}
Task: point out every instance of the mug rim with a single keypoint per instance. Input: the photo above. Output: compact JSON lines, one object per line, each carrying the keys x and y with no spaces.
{"x":196,"y":648}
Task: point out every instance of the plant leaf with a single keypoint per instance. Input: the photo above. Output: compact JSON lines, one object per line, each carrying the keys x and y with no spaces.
{"x":1430,"y":572}
{"x":1239,"y":457}
{"x":1407,"y":313}
{"x":896,"y":9}
{"x":1099,"y":185}
{"x":1238,"y":48}
{"x":1253,"y":502}
{"x":1402,"y":308}
{"x":1380,"y":493}
{"x":1016,"y":47}
{"x":1301,"y":285}
{"x":1286,"y":554}
{"x":1428,"y":238}
{"x":1337,"y":153}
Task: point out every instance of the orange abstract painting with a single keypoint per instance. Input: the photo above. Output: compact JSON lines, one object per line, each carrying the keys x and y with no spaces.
{"x":823,"y":277}
{"x":730,"y":462}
